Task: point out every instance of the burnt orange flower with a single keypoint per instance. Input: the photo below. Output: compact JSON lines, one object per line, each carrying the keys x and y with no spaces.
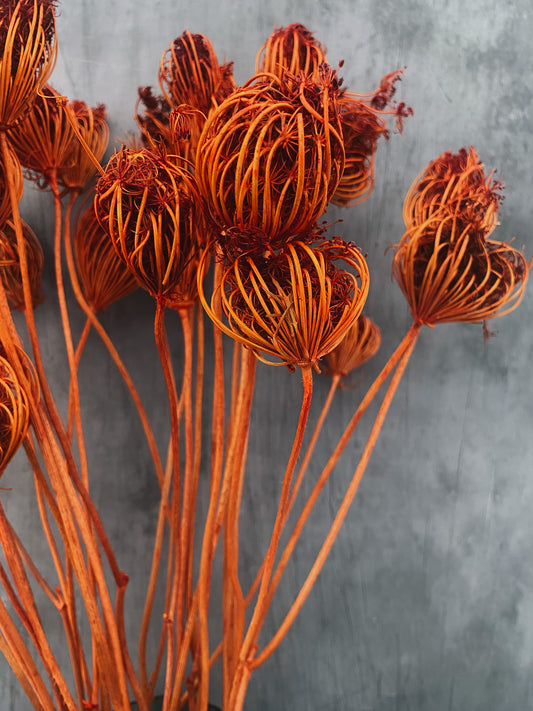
{"x":103,"y":276}
{"x":189,"y":73}
{"x":14,"y":413}
{"x":271,"y":156}
{"x":294,"y":305}
{"x":43,"y":141}
{"x":90,"y":125}
{"x":363,"y":124}
{"x":444,"y":263}
{"x":293,"y":49}
{"x":27,"y":55}
{"x":151,"y":210}
{"x":360,"y":343}
{"x":456,"y":183}
{"x":10,"y":265}
{"x":152,"y":114}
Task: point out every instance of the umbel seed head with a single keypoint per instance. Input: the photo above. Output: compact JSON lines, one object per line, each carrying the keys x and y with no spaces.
{"x":150,"y":209}
{"x":27,"y":55}
{"x":271,"y":155}
{"x":444,"y":263}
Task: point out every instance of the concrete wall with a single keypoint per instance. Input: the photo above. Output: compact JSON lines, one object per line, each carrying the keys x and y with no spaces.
{"x":426,"y":602}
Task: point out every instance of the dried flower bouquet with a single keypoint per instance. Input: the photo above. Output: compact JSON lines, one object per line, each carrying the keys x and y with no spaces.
{"x":216,"y":208}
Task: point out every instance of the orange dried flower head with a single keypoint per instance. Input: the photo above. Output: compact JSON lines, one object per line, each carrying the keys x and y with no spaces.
{"x":154,"y":120}
{"x":103,"y":276}
{"x":14,"y":413}
{"x":360,"y":343}
{"x":10,"y":265}
{"x":455,"y":182}
{"x":43,"y":141}
{"x":293,"y":49}
{"x":27,"y":55}
{"x":92,"y":127}
{"x":150,"y":209}
{"x":271,"y":155}
{"x":295,"y":305}
{"x":444,"y":263}
{"x":363,"y":124}
{"x":189,"y":73}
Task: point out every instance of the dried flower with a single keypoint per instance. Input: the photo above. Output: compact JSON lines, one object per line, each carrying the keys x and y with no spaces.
{"x":154,"y":121}
{"x":150,"y":209}
{"x":10,"y":265}
{"x":271,"y":156}
{"x":27,"y":55}
{"x":456,"y":183}
{"x":295,"y":305}
{"x":189,"y":73}
{"x":444,"y":263}
{"x":293,"y":49}
{"x":91,"y":126}
{"x":14,"y":413}
{"x":102,"y":274}
{"x":43,"y":142}
{"x":363,"y":124}
{"x":360,"y":343}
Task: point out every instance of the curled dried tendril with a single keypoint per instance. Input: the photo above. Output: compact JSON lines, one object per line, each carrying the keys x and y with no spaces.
{"x":27,"y":55}
{"x":294,"y":305}
{"x":360,"y":343}
{"x":444,"y":263}
{"x":151,"y":210}
{"x":103,"y":276}
{"x":10,"y":272}
{"x":292,"y":49}
{"x":271,"y":156}
{"x":14,"y":412}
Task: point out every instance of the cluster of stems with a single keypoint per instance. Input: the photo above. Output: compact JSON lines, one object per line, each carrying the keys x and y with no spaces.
{"x":219,"y":208}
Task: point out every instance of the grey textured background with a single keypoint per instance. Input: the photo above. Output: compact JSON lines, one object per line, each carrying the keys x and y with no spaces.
{"x":426,"y":603}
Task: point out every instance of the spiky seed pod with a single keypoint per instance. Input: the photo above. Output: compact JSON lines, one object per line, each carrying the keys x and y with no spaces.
{"x":43,"y":142}
{"x":91,"y":123}
{"x":360,"y":343}
{"x":445,"y":265}
{"x":10,"y":265}
{"x":27,"y":55}
{"x":103,"y":276}
{"x":456,"y":183}
{"x":14,"y":169}
{"x":151,"y":210}
{"x":295,"y":305}
{"x":189,"y":73}
{"x":450,"y":272}
{"x":14,"y":413}
{"x":271,"y":155}
{"x":293,"y":49}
